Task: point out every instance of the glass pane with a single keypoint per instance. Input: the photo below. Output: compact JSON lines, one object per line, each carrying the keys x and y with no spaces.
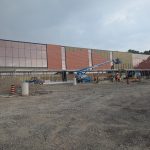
{"x":21,"y":45}
{"x":28,"y":62}
{"x":15,"y":52}
{"x":27,"y":53}
{"x":43,"y":54}
{"x":15,"y":62}
{"x":2,"y":43}
{"x":33,"y":62}
{"x":39,"y":63}
{"x":33,"y":46}
{"x":33,"y":53}
{"x":44,"y":63}
{"x":39,"y":54}
{"x":15,"y":45}
{"x":2,"y":61}
{"x":8,"y":52}
{"x":27,"y":45}
{"x":44,"y":47}
{"x":2,"y":51}
{"x":9,"y":61}
{"x":8,"y":44}
{"x":22,"y":62}
{"x":21,"y":53}
{"x":38,"y":47}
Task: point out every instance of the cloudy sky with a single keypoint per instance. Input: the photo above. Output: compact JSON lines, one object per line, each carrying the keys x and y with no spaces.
{"x":103,"y":24}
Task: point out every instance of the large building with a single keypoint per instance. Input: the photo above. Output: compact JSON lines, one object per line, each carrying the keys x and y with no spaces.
{"x":17,"y":55}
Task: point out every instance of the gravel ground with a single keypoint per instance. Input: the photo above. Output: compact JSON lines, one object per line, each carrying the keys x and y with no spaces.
{"x":112,"y":116}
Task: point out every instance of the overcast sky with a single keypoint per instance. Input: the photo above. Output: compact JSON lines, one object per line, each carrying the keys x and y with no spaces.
{"x":103,"y":24}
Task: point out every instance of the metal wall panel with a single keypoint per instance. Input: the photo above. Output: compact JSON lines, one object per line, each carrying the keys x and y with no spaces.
{"x":63,"y":58}
{"x":90,"y":57}
{"x":100,"y":56}
{"x":138,"y":61}
{"x":76,"y":58}
{"x":126,"y":59}
{"x":54,"y":57}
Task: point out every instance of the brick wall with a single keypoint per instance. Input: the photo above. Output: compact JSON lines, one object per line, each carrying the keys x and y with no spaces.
{"x":54,"y":57}
{"x":76,"y":58}
{"x":98,"y":57}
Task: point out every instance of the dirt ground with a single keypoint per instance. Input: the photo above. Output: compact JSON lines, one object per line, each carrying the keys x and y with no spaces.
{"x":112,"y":116}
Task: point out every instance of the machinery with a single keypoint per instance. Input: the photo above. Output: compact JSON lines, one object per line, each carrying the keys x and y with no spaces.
{"x":81,"y":75}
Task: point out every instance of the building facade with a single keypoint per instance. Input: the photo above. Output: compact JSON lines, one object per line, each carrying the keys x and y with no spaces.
{"x":27,"y":55}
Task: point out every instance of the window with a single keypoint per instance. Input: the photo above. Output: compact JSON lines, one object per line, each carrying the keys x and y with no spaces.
{"x":2,"y":61}
{"x":33,"y":46}
{"x":28,"y":62}
{"x":2,"y":51}
{"x":44,"y":63}
{"x":8,"y":44}
{"x":8,"y":52}
{"x":15,"y":45}
{"x":21,"y":53}
{"x":15,"y":62}
{"x":27,"y":53}
{"x":27,"y":46}
{"x":15,"y":52}
{"x":39,"y":63}
{"x":21,"y":45}
{"x":22,"y":62}
{"x":39,"y":54}
{"x":43,"y":54}
{"x":9,"y":62}
{"x":33,"y":53}
{"x":2,"y":43}
{"x":33,"y":62}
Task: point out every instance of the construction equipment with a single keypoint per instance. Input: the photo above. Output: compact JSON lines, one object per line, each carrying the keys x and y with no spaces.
{"x":81,"y":75}
{"x":35,"y":80}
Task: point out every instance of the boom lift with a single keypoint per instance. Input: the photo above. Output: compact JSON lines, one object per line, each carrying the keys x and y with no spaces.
{"x":81,"y":75}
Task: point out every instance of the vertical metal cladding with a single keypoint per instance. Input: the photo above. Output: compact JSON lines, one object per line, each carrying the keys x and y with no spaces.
{"x":100,"y":56}
{"x":54,"y":57}
{"x":63,"y":58}
{"x":76,"y":58}
{"x":141,"y":61}
{"x":90,"y":57}
{"x":126,"y":60}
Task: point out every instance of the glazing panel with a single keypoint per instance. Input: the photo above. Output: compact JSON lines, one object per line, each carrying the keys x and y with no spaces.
{"x":21,"y":53}
{"x":27,"y":53}
{"x":15,"y":62}
{"x":44,"y":54}
{"x":28,"y":62}
{"x":15,"y":44}
{"x":39,"y":63}
{"x":39,"y":54}
{"x":33,"y":53}
{"x":43,"y":47}
{"x":9,"y":52}
{"x":2,"y":51}
{"x":27,"y":45}
{"x":33,"y":62}
{"x":2,"y":43}
{"x":9,"y":61}
{"x":8,"y":44}
{"x":2,"y":61}
{"x":33,"y":46}
{"x":15,"y":52}
{"x":44,"y":63}
{"x":22,"y":62}
{"x":21,"y":45}
{"x":38,"y":47}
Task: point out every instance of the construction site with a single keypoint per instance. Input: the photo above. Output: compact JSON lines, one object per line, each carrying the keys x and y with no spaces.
{"x":55,"y":97}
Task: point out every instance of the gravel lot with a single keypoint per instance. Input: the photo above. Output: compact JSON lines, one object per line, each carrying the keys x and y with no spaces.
{"x":112,"y":116}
